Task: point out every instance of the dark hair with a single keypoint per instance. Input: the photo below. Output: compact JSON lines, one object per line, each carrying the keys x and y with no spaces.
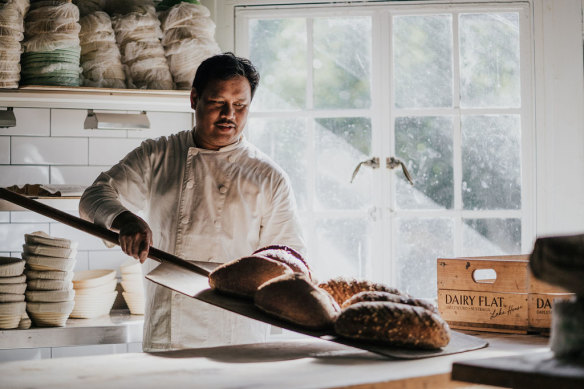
{"x":223,"y":67}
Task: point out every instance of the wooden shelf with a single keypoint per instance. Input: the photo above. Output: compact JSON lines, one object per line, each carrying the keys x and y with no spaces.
{"x":96,"y":98}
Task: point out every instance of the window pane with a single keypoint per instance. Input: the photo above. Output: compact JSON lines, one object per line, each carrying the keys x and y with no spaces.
{"x":278,"y":47}
{"x":342,"y":143}
{"x":489,"y":60}
{"x":423,"y":61}
{"x":491,"y":162}
{"x":419,"y":242}
{"x":491,"y":237}
{"x":424,"y":144}
{"x":285,"y":141}
{"x":343,"y":248}
{"x":342,"y":62}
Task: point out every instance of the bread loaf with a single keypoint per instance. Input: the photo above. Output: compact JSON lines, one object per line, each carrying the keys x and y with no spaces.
{"x":393,"y":323}
{"x":292,"y":297}
{"x":343,"y":288}
{"x":243,"y":276}
{"x":385,"y":296}
{"x":286,"y":255}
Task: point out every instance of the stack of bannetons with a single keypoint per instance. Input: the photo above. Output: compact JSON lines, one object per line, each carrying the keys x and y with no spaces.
{"x":51,"y":44}
{"x":95,"y":293}
{"x":280,"y":283}
{"x":100,"y":57}
{"x":49,"y":262}
{"x":188,"y":39}
{"x":138,"y":36}
{"x":12,"y":289}
{"x":133,"y":284}
{"x":11,"y":33}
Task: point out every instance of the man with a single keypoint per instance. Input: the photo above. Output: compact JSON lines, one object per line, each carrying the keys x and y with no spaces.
{"x":207,"y":195}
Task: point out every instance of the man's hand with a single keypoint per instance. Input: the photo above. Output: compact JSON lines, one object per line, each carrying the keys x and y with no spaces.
{"x":135,"y":235}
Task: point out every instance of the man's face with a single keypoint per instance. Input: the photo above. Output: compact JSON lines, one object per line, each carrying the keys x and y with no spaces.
{"x":221,"y":112}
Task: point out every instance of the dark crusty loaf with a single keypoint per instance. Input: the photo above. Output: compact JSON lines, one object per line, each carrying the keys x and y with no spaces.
{"x":393,"y":323}
{"x":243,"y":276}
{"x":343,"y":288}
{"x":292,"y":297}
{"x":286,"y":255}
{"x":385,"y":296}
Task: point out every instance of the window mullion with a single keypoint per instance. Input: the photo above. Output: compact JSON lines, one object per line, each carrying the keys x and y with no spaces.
{"x":456,"y":137}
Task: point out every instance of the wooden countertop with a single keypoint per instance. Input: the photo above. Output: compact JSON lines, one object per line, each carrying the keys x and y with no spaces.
{"x":303,"y":362}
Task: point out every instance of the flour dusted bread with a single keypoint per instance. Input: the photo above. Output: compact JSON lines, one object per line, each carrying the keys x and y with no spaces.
{"x":243,"y":276}
{"x":292,"y":297}
{"x":385,"y":296}
{"x":393,"y":323}
{"x":288,"y":256}
{"x":343,"y":288}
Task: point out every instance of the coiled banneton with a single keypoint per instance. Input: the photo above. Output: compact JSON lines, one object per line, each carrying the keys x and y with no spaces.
{"x":343,"y":288}
{"x":393,"y":323}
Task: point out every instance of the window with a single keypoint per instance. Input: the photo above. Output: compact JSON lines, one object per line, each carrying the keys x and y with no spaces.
{"x":443,"y":88}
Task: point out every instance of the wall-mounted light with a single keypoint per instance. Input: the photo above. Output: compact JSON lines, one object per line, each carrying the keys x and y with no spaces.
{"x":116,"y":121}
{"x":7,"y":118}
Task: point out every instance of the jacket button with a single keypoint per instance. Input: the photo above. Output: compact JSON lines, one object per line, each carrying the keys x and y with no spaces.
{"x":231,"y":158}
{"x":222,"y":189}
{"x":185,"y":221}
{"x":190,"y":184}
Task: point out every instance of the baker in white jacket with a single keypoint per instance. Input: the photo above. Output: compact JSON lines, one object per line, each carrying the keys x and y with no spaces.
{"x":207,"y":195}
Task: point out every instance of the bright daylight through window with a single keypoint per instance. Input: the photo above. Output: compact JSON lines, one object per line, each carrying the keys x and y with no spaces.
{"x":442,"y":89}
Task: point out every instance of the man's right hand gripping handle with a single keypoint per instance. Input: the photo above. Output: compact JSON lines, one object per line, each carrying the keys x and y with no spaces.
{"x":135,"y":235}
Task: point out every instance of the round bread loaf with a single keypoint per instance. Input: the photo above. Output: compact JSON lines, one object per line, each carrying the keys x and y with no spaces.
{"x":393,"y":323}
{"x":385,"y":296}
{"x":292,"y":297}
{"x":343,"y":288}
{"x":243,"y":276}
{"x":286,"y":255}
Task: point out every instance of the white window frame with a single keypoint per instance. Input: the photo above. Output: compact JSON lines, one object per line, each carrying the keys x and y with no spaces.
{"x":382,"y":118}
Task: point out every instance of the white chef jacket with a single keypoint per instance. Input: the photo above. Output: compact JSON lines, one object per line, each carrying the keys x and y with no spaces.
{"x":201,"y":205}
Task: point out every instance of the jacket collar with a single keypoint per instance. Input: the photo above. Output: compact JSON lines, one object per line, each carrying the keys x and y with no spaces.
{"x":240,"y":143}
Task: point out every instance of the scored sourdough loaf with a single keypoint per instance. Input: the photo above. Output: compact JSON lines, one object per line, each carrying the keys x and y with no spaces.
{"x":292,"y":297}
{"x":397,"y":324}
{"x":243,"y":276}
{"x":286,"y":255}
{"x":343,"y":288}
{"x":385,"y":296}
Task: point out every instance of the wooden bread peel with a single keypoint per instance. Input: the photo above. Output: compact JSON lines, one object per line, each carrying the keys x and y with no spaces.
{"x":191,"y":279}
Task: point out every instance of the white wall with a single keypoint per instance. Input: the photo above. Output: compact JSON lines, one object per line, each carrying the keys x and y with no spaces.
{"x":559,"y":117}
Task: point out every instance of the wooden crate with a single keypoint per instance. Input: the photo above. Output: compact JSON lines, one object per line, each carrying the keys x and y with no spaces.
{"x":541,"y":297}
{"x":495,"y":305}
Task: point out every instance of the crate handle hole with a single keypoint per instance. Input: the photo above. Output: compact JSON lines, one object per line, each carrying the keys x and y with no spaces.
{"x":484,"y":276}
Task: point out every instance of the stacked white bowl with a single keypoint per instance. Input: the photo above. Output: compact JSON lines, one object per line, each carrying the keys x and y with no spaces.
{"x":188,"y":39}
{"x":95,"y":293}
{"x":49,"y":262}
{"x":138,"y":36}
{"x":12,"y":288}
{"x":133,"y":284}
{"x":100,"y":57}
{"x":11,"y":34}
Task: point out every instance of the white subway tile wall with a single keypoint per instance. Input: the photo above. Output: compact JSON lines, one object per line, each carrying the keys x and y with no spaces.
{"x":30,"y":122}
{"x":51,"y":146}
{"x":76,"y":175}
{"x":106,"y":151}
{"x":5,"y":150}
{"x":48,"y":151}
{"x":20,"y":175}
